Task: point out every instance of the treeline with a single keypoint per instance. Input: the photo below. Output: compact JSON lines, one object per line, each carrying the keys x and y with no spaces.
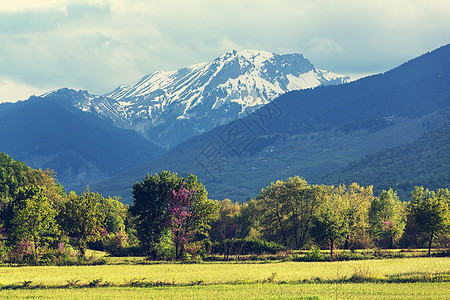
{"x":298,"y":215}
{"x":41,"y":223}
{"x":172,"y":218}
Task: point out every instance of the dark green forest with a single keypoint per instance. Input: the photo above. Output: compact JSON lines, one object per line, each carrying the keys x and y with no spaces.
{"x":172,"y":218}
{"x":423,"y":162}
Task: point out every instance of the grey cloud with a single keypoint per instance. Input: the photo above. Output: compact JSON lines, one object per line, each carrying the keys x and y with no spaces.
{"x":100,"y":47}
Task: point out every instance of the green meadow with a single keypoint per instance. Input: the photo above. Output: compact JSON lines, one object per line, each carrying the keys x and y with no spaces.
{"x":275,"y":280}
{"x":248,"y":291}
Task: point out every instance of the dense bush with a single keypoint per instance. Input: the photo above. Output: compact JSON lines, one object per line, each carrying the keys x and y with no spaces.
{"x":245,"y":247}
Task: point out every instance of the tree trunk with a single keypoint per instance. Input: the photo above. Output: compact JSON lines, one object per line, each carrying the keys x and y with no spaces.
{"x":181,"y":250}
{"x":282,"y":230}
{"x":294,"y":221}
{"x":429,"y":243}
{"x":331,"y":248}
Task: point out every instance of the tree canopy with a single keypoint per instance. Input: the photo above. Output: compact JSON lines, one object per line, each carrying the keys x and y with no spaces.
{"x":152,"y":198}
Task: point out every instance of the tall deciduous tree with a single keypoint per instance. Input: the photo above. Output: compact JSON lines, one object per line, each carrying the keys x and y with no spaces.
{"x":386,"y":218}
{"x":178,"y":213}
{"x":82,"y":219}
{"x":429,"y":212}
{"x":151,"y":197}
{"x":30,"y":216}
{"x":151,"y":203}
{"x":274,"y":208}
{"x":287,"y":208}
{"x":226,"y":224}
{"x":330,"y":225}
{"x":356,"y":201}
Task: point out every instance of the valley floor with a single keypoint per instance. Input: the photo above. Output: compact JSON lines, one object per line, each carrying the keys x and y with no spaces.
{"x":282,"y":280}
{"x":248,"y":291}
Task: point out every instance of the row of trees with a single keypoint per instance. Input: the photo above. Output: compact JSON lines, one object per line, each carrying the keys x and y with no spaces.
{"x":298,"y":215}
{"x":171,"y":213}
{"x":37,"y":217}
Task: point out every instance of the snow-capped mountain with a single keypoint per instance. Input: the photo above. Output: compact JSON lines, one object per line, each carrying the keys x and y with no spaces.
{"x":169,"y":107}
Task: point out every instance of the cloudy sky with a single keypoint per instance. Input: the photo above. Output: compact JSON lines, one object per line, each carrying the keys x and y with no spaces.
{"x":97,"y":45}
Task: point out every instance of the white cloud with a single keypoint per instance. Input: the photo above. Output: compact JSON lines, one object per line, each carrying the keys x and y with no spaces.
{"x":99,"y":44}
{"x":64,"y":10}
{"x":323,"y":46}
{"x":13,"y":91}
{"x":32,"y":5}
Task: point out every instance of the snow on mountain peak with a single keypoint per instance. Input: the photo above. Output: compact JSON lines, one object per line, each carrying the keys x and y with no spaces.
{"x":256,"y":56}
{"x":202,"y":96}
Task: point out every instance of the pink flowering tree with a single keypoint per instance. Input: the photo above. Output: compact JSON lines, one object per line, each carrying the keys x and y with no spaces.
{"x":179,"y":214}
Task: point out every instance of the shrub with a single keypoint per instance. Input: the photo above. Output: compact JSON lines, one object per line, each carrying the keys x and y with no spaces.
{"x":116,"y":243}
{"x":313,"y":255}
{"x":245,"y":247}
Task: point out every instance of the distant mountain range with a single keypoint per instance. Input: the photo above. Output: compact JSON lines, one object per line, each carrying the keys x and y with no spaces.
{"x":50,"y":133}
{"x":169,"y":107}
{"x":312,"y":133}
{"x":87,"y":138}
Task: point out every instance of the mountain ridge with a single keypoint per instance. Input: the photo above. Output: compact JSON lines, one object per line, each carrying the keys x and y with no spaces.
{"x":202,"y":96}
{"x":82,"y":148}
{"x":311,"y":132}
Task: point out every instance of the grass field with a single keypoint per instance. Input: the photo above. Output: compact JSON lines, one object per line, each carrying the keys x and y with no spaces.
{"x":229,"y":280}
{"x":248,"y":291}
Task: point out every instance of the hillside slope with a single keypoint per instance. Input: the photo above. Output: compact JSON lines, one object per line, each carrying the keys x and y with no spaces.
{"x":80,"y":147}
{"x":424,"y":162}
{"x":311,"y":132}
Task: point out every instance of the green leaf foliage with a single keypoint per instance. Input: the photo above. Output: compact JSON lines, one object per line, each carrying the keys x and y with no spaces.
{"x":329,"y":226}
{"x":30,"y":216}
{"x":429,"y":213}
{"x":150,"y":206}
{"x":387,"y":219}
{"x":82,"y":219}
{"x":15,"y":174}
{"x":287,"y":209}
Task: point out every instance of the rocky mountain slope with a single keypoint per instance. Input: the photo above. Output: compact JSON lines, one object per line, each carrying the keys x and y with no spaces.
{"x":310,"y":133}
{"x":169,"y":107}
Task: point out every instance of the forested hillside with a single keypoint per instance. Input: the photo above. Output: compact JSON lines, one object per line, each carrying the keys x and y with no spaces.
{"x":80,"y":147}
{"x":423,"y":162}
{"x":311,"y":133}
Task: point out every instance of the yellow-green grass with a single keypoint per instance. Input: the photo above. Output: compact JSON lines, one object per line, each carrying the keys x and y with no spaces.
{"x":219,"y":272}
{"x":248,"y":291}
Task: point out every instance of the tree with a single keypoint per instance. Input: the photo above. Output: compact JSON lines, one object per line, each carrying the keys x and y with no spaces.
{"x":429,"y":212}
{"x":226,"y":224}
{"x":204,"y":210}
{"x":30,"y":217}
{"x":151,"y":203}
{"x":149,"y":207}
{"x":16,"y":174}
{"x":248,"y":220}
{"x":304,"y":201}
{"x":288,"y":208}
{"x":82,"y":220}
{"x":329,"y":225}
{"x":274,"y":207}
{"x":356,"y":201}
{"x":386,"y":218}
{"x":179,"y":212}
{"x":115,"y":213}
